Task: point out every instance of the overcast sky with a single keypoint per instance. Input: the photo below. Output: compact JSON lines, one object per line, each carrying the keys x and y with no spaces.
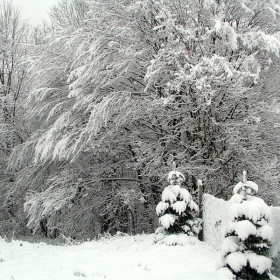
{"x":35,"y":10}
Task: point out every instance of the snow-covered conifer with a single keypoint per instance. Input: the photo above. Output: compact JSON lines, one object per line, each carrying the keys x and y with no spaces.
{"x":177,"y":213}
{"x":246,"y":247}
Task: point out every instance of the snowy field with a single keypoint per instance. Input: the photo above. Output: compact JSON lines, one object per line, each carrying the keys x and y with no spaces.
{"x":125,"y":258}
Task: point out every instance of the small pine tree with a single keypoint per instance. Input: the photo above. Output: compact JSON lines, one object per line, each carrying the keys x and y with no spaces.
{"x":177,"y":211}
{"x":246,"y":247}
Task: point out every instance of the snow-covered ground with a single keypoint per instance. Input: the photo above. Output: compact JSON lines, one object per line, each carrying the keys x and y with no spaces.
{"x":125,"y":258}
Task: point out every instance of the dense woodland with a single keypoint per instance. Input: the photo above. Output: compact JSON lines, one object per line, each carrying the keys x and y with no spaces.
{"x":97,"y":104}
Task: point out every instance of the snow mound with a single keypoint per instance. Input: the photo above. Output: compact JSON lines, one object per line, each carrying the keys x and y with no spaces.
{"x":242,"y":228}
{"x":237,"y":198}
{"x":167,"y":220}
{"x":185,"y":195}
{"x":179,"y":206}
{"x":230,"y":245}
{"x":168,"y":195}
{"x":253,"y":208}
{"x":259,"y":263}
{"x":236,"y":261}
{"x":265,"y":232}
{"x":176,"y":189}
{"x":123,"y":258}
{"x":193,"y":206}
{"x":239,"y":187}
{"x":161,"y":207}
{"x":178,"y":239}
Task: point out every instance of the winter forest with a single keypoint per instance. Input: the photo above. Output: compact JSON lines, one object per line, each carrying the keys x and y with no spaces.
{"x":97,"y":105}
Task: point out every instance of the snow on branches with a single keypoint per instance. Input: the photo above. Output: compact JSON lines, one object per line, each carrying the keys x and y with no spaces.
{"x":246,"y":247}
{"x":177,"y":214}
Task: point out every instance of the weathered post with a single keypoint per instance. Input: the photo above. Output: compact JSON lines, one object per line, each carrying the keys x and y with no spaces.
{"x":200,"y":213}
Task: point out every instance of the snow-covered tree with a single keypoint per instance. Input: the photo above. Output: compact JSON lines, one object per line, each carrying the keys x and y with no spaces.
{"x":13,"y":38}
{"x":76,"y":158}
{"x":13,"y":129}
{"x":246,"y":247}
{"x":208,"y":67}
{"x":121,"y":88}
{"x":69,"y":13}
{"x":177,"y":212}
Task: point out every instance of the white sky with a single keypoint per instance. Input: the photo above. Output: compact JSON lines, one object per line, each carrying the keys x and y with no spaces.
{"x":35,"y":10}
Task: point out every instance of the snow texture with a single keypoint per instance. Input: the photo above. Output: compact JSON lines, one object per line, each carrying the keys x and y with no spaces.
{"x":275,"y":223}
{"x":253,"y":208}
{"x":193,"y":206}
{"x":242,"y":228}
{"x":179,"y":206}
{"x":230,"y":245}
{"x":171,"y":193}
{"x":237,"y":198}
{"x":249,"y":217}
{"x":227,"y":32}
{"x":265,"y":232}
{"x":236,"y":261}
{"x":259,"y":263}
{"x":216,"y":217}
{"x":185,"y":195}
{"x":161,"y":207}
{"x":179,"y":239}
{"x":176,"y":201}
{"x":116,"y":258}
{"x":168,"y":195}
{"x":176,"y":189}
{"x":242,"y":186}
{"x":177,"y":174}
{"x":167,"y":220}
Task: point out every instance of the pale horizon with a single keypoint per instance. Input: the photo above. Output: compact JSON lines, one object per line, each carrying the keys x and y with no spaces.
{"x":35,"y":10}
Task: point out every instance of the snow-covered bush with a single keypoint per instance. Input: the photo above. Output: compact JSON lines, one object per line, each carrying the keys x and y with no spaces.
{"x":246,"y":247}
{"x":177,"y":213}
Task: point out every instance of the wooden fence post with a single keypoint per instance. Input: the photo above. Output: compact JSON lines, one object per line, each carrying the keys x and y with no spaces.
{"x":200,"y":213}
